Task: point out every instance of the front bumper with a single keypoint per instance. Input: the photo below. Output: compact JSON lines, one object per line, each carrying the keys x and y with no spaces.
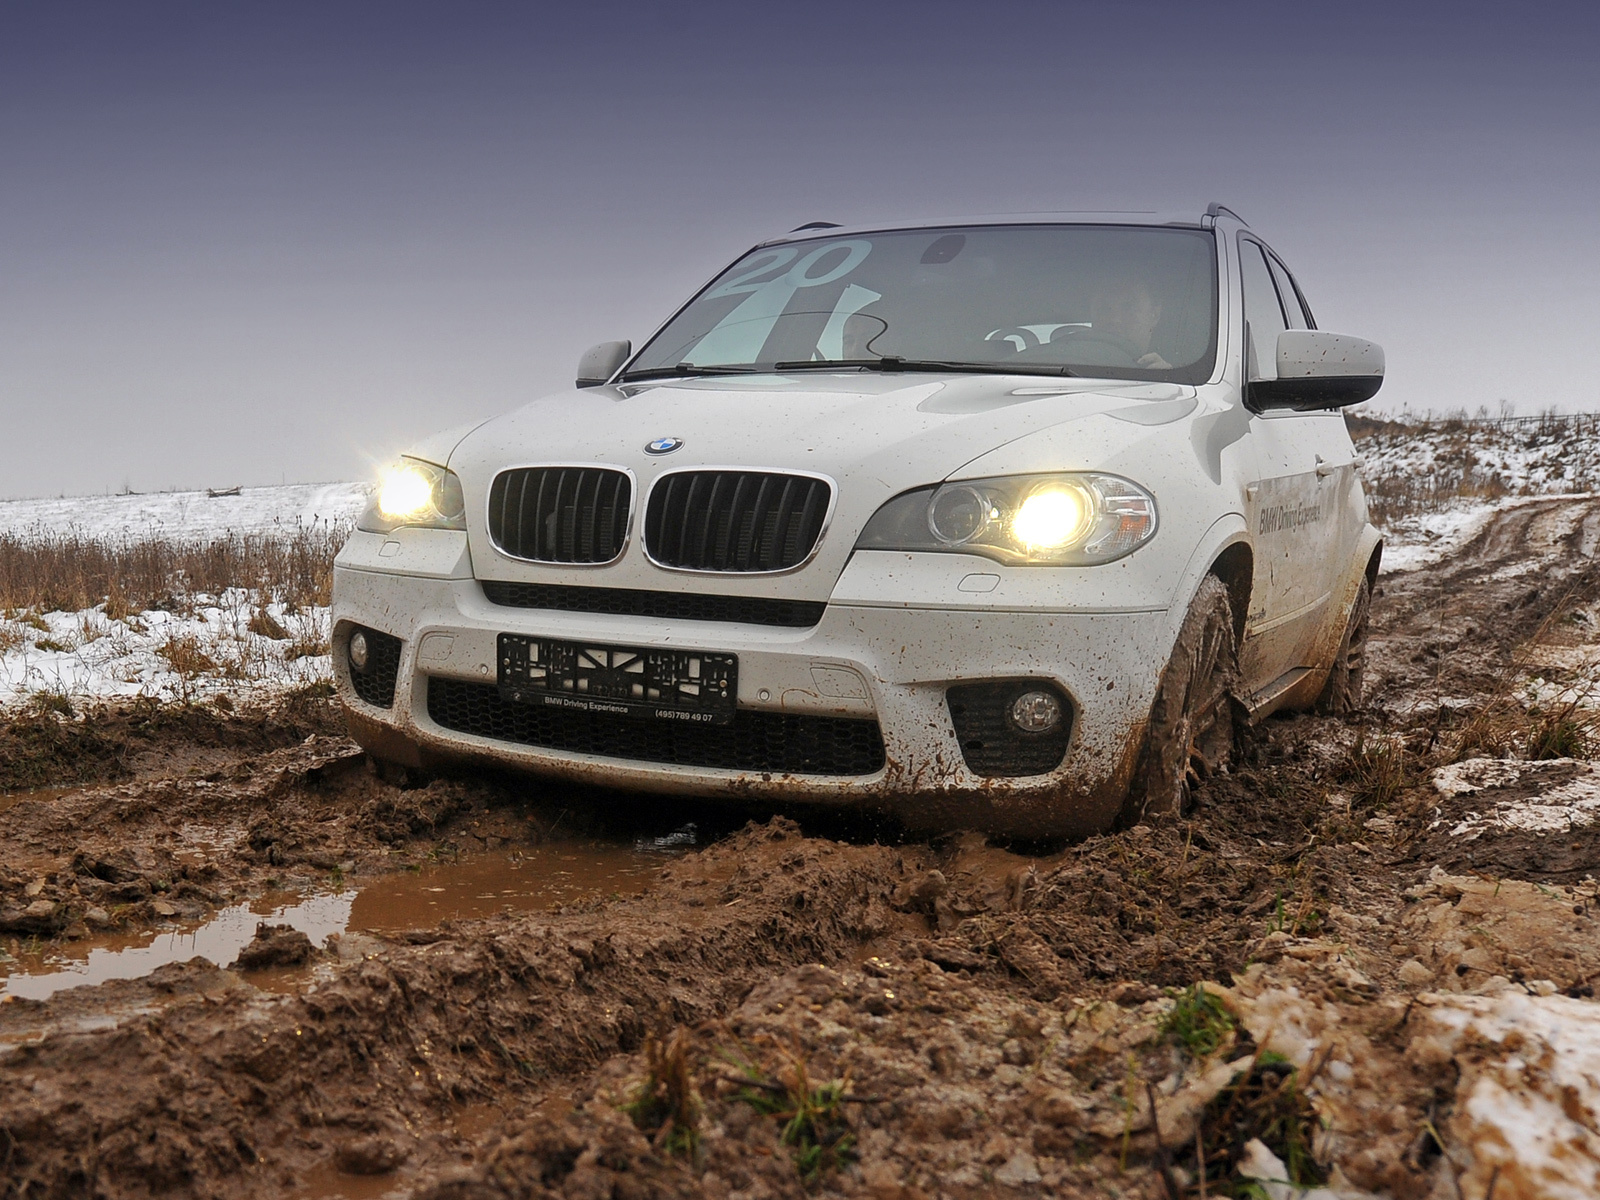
{"x":865,"y":661}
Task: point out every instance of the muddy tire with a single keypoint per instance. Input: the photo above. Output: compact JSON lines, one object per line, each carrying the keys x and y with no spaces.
{"x":1342,"y":693}
{"x":1190,"y":735}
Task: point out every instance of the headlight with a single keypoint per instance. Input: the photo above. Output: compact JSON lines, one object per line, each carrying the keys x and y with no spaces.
{"x":1056,"y":520}
{"x":413,"y":492}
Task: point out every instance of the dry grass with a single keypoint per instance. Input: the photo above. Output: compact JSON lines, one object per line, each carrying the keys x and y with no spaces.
{"x":187,"y":656}
{"x":266,"y":625}
{"x":1375,"y":771}
{"x":248,"y":609}
{"x":1267,"y":1101}
{"x":1505,"y":725}
{"x":48,"y":572}
{"x":306,"y":645}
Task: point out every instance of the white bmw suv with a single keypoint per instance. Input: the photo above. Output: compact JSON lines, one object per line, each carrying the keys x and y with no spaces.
{"x":1001,"y":523}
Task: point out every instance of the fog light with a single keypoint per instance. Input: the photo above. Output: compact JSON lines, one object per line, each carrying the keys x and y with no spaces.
{"x":1036,"y":712}
{"x":358,"y":651}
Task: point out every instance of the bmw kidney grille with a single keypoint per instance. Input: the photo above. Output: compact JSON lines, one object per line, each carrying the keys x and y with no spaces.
{"x":561,"y":514}
{"x":735,"y":520}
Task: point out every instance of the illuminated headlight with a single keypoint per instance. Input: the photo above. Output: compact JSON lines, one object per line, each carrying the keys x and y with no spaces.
{"x":413,"y":492}
{"x":1054,"y":520}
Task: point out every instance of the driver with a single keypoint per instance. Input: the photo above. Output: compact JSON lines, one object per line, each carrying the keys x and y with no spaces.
{"x":1123,"y":315}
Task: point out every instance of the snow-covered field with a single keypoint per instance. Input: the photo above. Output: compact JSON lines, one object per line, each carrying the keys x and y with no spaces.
{"x":258,"y":510}
{"x":228,"y":643}
{"x":1433,"y":487}
{"x":1516,"y":456}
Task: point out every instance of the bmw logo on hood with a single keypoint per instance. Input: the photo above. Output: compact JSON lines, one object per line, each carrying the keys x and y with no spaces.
{"x":664,"y":445}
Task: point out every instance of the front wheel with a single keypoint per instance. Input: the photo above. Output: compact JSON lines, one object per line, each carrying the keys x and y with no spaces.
{"x":1190,"y":735}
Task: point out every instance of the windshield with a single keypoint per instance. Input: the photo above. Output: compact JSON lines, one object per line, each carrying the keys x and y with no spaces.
{"x":1123,"y":302}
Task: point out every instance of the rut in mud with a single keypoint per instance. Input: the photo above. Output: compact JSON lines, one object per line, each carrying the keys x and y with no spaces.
{"x":776,"y":1012}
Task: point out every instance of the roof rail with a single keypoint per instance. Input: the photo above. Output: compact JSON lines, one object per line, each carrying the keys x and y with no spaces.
{"x":815,"y":225}
{"x":1215,"y":210}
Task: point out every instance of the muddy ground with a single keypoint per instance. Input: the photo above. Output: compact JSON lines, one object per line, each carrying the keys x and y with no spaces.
{"x":1364,"y":958}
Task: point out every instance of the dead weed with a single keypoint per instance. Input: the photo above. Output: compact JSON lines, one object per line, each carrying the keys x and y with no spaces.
{"x":666,"y":1105}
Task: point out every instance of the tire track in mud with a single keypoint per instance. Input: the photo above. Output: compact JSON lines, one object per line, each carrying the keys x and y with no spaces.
{"x":1458,"y":623}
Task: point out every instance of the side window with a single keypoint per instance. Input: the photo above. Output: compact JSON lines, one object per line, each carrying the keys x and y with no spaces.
{"x":1298,"y":318}
{"x":1263,"y":316}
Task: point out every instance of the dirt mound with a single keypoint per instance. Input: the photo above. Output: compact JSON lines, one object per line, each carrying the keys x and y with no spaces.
{"x":1165,"y":905}
{"x":274,"y":946}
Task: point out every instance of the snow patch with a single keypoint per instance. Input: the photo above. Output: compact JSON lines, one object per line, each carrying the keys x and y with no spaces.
{"x":1532,"y":807}
{"x":214,"y":648}
{"x":1528,"y":1103}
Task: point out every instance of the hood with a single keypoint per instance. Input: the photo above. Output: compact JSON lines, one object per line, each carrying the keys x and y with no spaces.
{"x":874,"y":435}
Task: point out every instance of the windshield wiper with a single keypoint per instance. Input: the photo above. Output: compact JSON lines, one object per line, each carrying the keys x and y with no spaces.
{"x":887,"y":363}
{"x":895,"y":363}
{"x":684,"y":370}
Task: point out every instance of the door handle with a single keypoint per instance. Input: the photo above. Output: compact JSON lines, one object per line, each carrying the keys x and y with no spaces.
{"x":1324,"y":468}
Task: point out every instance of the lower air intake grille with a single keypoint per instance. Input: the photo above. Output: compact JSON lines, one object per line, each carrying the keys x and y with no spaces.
{"x":678,"y":606}
{"x":735,"y":520}
{"x":560,"y":514}
{"x":375,"y":685}
{"x":755,"y":741}
{"x":991,"y":744}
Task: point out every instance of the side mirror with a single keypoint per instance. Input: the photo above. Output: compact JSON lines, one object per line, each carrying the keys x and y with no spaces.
{"x":1318,"y":369}
{"x":600,"y":363}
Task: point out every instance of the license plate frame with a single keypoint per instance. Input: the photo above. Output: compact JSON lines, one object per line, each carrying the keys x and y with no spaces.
{"x":693,"y":686}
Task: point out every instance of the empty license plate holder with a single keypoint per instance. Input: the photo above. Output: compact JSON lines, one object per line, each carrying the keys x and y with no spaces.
{"x":631,"y":681}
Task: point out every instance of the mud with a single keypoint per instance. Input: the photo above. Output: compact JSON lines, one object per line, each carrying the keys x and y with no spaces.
{"x":1389,"y":918}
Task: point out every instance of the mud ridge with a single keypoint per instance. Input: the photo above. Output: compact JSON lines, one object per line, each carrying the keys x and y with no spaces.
{"x":55,"y":742}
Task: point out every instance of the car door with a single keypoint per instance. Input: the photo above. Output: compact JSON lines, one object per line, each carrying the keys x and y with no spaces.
{"x":1340,"y":495}
{"x":1292,"y":507}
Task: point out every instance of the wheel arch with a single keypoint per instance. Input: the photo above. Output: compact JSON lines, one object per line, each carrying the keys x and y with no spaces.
{"x":1226,"y":552}
{"x":1235,"y":566}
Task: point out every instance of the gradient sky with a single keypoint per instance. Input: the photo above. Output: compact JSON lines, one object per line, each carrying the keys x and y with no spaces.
{"x":253,"y":242}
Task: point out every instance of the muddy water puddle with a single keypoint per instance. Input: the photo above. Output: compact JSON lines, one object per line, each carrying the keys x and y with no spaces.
{"x":539,"y":878}
{"x":327,"y":1182}
{"x":101,"y":959}
{"x":528,"y":879}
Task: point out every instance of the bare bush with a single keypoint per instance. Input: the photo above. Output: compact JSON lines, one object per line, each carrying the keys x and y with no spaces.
{"x":66,"y":572}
